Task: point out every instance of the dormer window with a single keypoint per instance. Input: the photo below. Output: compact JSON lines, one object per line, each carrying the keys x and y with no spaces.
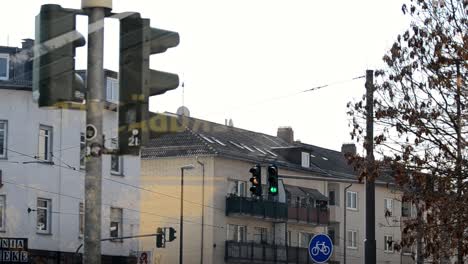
{"x":4,"y":66}
{"x":305,"y":160}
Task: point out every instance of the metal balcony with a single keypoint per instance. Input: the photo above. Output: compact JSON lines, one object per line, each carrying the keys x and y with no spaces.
{"x":256,"y":208}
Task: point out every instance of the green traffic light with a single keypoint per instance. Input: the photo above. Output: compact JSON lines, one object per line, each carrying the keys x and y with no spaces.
{"x":273,"y":189}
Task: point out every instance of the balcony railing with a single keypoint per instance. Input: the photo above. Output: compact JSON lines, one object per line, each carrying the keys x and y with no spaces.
{"x":250,"y":252}
{"x":258,"y":208}
{"x":316,"y":215}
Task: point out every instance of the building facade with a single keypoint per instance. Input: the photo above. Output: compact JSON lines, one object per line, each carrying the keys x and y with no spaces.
{"x":42,"y":162}
{"x":223,"y":223}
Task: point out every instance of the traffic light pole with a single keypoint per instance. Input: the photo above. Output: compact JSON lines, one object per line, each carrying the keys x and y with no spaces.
{"x":94,"y":117}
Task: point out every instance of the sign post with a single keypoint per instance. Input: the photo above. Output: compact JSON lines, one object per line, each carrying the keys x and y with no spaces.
{"x":320,"y":248}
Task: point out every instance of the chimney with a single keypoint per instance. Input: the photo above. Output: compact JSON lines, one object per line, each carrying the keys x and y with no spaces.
{"x":348,"y":148}
{"x":286,"y":134}
{"x":230,"y":123}
{"x":27,"y":43}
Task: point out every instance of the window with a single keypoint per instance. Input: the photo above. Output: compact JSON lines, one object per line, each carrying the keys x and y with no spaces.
{"x":81,"y":219}
{"x":407,"y":209}
{"x":238,"y":188}
{"x":388,"y":244}
{"x":352,"y":239}
{"x":351,"y":200}
{"x":388,"y":207}
{"x":289,"y":239}
{"x":115,"y":222}
{"x":237,"y":233}
{"x":305,"y":160}
{"x":3,"y":139}
{"x":45,"y":143}
{"x":304,"y":239}
{"x":82,"y":151}
{"x":261,"y":235}
{"x":116,"y":160}
{"x":2,"y":212}
{"x":43,"y":210}
{"x":331,"y":197}
{"x":4,"y":66}
{"x":112,"y":90}
{"x":332,"y":235}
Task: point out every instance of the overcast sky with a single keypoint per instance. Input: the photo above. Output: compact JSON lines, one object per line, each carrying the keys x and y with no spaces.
{"x":249,"y":59}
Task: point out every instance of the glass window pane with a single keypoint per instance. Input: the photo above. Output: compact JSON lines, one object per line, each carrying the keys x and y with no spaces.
{"x":3,"y":67}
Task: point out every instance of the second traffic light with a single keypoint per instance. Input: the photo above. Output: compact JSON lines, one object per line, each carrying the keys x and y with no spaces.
{"x":160,"y":238}
{"x":256,"y":180}
{"x":272,"y":179}
{"x":137,"y":82}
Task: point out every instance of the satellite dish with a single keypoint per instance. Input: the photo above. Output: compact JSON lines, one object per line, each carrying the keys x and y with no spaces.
{"x":183,"y":111}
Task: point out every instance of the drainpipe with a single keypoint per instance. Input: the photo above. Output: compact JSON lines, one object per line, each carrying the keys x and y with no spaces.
{"x":203,"y":211}
{"x":344,"y":223}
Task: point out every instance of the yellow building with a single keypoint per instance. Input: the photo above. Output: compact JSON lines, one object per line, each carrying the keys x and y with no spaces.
{"x":224,"y":223}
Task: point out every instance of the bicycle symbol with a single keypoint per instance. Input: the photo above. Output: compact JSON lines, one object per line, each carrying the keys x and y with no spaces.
{"x":320,"y":247}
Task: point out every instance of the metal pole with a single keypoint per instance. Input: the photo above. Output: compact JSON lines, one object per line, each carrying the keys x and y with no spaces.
{"x":181,"y":239}
{"x":370,"y":247}
{"x":203,"y":211}
{"x":94,"y":116}
{"x":344,"y":221}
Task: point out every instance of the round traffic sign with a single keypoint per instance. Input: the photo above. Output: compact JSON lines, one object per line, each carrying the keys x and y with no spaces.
{"x":91,"y":132}
{"x":320,"y":248}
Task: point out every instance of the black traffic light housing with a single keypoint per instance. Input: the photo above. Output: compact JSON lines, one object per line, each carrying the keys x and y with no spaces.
{"x":172,"y":235}
{"x":54,"y":79}
{"x":272,"y":171}
{"x":256,"y":180}
{"x":137,"y":82}
{"x":160,"y":238}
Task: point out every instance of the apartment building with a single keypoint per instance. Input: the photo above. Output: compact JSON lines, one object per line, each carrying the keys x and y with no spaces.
{"x":223,"y":223}
{"x":42,"y":162}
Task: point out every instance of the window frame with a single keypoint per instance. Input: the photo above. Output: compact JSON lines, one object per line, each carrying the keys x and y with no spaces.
{"x":4,"y":155}
{"x":82,"y":151}
{"x":262,"y":233}
{"x":239,"y":191}
{"x":118,"y":172}
{"x":388,"y":249}
{"x":239,"y":232}
{"x":50,"y":136}
{"x":351,"y":239}
{"x":305,"y":159}
{"x":330,"y":196}
{"x":112,"y":90}
{"x":7,"y":70}
{"x":391,"y":209}
{"x":48,"y":210}
{"x":2,"y":213}
{"x":355,"y":194}
{"x":119,"y":222}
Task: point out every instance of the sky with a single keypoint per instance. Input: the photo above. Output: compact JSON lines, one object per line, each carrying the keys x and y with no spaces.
{"x":249,"y":60}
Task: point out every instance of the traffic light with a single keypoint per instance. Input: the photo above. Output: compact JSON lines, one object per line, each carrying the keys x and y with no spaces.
{"x":137,"y":82}
{"x":272,"y":179}
{"x":172,"y":233}
{"x":256,"y":180}
{"x":54,"y":78}
{"x":160,"y":238}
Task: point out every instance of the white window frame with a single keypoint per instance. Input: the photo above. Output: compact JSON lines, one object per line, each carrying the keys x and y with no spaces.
{"x":112,"y":90}
{"x":387,"y":248}
{"x":305,"y":159}
{"x":351,"y":242}
{"x":82,"y":151}
{"x":349,"y":200}
{"x":261,"y":234}
{"x":48,"y":212}
{"x":81,"y":220}
{"x":47,"y":155}
{"x":5,"y":139}
{"x":388,"y":202}
{"x":119,"y":170}
{"x":2,"y":212}
{"x":116,"y":219}
{"x":240,"y":232}
{"x":240,"y":187}
{"x":7,"y":57}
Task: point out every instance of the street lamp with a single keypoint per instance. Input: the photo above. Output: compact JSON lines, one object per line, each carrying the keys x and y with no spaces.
{"x":181,"y":236}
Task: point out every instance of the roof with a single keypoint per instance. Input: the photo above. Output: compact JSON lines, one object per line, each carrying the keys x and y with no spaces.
{"x":302,"y":192}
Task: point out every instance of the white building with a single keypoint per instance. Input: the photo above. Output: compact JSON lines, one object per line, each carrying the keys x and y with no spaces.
{"x":42,"y":168}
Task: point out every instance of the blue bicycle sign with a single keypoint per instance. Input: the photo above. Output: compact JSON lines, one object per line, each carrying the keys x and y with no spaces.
{"x":320,"y":248}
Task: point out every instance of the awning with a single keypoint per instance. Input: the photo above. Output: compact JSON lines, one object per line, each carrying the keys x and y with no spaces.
{"x":314,"y":193}
{"x":294,"y":191}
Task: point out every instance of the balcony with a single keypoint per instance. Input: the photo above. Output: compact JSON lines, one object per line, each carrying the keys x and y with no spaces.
{"x":309,"y":215}
{"x":250,"y":252}
{"x":257,"y":208}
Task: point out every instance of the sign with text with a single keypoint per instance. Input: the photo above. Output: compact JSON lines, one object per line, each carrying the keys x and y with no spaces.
{"x":13,"y":250}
